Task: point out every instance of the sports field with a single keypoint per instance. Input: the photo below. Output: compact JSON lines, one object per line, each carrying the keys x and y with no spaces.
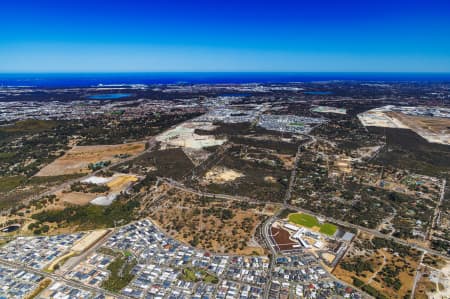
{"x":304,"y":220}
{"x":328,"y":229}
{"x":311,"y":221}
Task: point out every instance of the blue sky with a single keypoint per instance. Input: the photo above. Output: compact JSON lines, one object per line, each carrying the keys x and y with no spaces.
{"x":282,"y":35}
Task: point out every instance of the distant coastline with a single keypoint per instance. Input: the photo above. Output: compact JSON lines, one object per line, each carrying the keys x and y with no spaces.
{"x":55,"y":80}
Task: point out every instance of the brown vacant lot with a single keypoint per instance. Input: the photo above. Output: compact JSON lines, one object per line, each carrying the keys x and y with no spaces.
{"x":78,"y":158}
{"x":432,"y":124}
{"x":281,"y":238}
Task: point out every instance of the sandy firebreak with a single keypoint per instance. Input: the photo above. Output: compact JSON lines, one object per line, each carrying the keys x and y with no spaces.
{"x":77,"y":159}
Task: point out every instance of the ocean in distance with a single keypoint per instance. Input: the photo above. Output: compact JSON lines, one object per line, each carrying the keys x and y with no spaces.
{"x":109,"y":96}
{"x":56,"y":80}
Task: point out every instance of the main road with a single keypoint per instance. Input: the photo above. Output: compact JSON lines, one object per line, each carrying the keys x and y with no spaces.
{"x":57,"y":277}
{"x":374,"y":232}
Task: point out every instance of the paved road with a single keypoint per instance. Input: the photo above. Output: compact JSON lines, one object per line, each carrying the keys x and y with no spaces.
{"x":57,"y":277}
{"x":374,"y":232}
{"x":265,"y":228}
{"x":74,"y":261}
{"x":371,"y":231}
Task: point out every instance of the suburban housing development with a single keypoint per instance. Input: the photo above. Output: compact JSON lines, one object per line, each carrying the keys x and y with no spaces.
{"x":264,"y":190}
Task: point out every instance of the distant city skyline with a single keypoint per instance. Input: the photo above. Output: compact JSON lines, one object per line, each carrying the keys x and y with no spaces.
{"x":230,"y":36}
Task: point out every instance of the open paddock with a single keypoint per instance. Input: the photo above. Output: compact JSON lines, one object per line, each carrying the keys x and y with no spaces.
{"x":77,"y":159}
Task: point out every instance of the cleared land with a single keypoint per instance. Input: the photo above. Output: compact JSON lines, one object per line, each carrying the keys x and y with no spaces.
{"x":76,"y":198}
{"x":281,"y":238}
{"x":113,"y":186}
{"x":433,"y":129}
{"x":436,"y":125}
{"x":221,"y":175}
{"x":192,"y":144}
{"x":328,"y":109}
{"x":121,"y":181}
{"x":78,"y":158}
{"x":184,"y":136}
{"x":89,"y":240}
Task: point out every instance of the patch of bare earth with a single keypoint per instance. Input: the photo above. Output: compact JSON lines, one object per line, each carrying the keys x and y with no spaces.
{"x":221,"y":175}
{"x":77,"y":159}
{"x":76,"y":198}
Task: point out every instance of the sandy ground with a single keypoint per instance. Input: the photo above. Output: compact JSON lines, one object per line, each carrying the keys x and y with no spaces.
{"x":77,"y":159}
{"x":432,"y":129}
{"x":270,"y":179}
{"x":51,"y":267}
{"x":443,"y":281}
{"x":89,"y":240}
{"x":328,"y":257}
{"x":379,"y":118}
{"x":221,"y":175}
{"x":184,"y":136}
{"x":121,"y":181}
{"x":328,"y":109}
{"x":104,"y":200}
{"x":117,"y":183}
{"x":435,"y":125}
{"x":366,"y":152}
{"x":76,"y":198}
